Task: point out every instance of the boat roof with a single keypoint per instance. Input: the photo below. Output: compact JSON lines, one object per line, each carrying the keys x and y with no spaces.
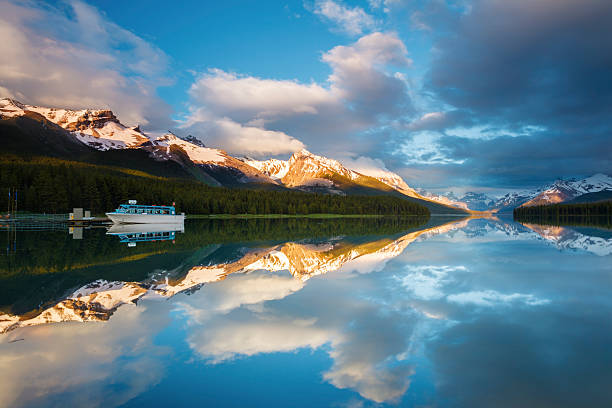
{"x":158,"y":207}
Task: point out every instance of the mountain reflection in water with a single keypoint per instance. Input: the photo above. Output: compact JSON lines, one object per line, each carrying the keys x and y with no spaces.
{"x":409,"y":312}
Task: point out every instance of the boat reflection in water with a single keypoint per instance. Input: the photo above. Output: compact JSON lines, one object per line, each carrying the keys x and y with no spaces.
{"x":133,"y":233}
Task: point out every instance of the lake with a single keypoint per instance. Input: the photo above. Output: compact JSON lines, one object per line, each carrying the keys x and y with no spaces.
{"x":308,"y":313}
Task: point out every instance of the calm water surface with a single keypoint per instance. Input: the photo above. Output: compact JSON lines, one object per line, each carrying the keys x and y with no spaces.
{"x":337,"y":313}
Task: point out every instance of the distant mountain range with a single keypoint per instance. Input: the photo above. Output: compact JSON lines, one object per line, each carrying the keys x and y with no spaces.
{"x":572,"y":191}
{"x":97,"y":136}
{"x":591,"y":189}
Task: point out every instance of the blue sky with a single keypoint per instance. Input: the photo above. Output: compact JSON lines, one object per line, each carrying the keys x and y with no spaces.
{"x":483,"y":95}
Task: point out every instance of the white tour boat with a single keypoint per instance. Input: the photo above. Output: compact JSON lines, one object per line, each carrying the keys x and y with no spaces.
{"x":145,"y":214}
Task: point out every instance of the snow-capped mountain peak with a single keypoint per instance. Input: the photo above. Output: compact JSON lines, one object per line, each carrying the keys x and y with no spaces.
{"x":98,"y":128}
{"x":566,"y":190}
{"x":197,"y":154}
{"x":312,"y":163}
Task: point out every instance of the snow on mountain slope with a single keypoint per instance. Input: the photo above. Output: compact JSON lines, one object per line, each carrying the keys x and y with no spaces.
{"x":99,"y":129}
{"x":446,"y":199}
{"x":593,"y":184}
{"x":273,"y":168}
{"x":477,"y":201}
{"x":197,"y":154}
{"x":217,"y":162}
{"x":510,"y":201}
{"x":307,"y":170}
{"x":565,"y":190}
{"x":305,"y":167}
{"x":393,"y":180}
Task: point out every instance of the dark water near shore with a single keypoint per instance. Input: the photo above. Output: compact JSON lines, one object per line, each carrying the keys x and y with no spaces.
{"x":308,"y":313}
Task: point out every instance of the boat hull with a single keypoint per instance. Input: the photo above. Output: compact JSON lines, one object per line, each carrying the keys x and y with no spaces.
{"x":120,"y":218}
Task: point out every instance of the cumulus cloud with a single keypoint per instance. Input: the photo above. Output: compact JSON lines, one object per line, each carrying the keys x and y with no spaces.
{"x":245,"y":97}
{"x":80,"y":60}
{"x":352,"y":20}
{"x":363,"y":90}
{"x":357,"y":75}
{"x":240,"y":139}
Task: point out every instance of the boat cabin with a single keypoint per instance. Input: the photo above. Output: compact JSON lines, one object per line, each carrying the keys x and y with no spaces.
{"x":146,"y":209}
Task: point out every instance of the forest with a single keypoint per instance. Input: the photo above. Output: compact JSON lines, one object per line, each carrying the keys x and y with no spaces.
{"x":50,"y":185}
{"x":585,"y":214}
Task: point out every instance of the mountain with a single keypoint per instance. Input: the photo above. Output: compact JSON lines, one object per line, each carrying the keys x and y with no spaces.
{"x":98,"y":137}
{"x":591,"y":189}
{"x":477,"y":201}
{"x":395,"y":181}
{"x":562,"y":191}
{"x":273,"y":168}
{"x":605,"y":195}
{"x":309,"y":172}
{"x":99,"y":129}
{"x":447,"y":199}
{"x":510,"y":201}
{"x":224,"y":169}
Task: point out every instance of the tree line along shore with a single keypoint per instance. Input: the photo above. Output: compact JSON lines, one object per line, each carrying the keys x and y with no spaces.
{"x":53,"y":185}
{"x":584,"y":214}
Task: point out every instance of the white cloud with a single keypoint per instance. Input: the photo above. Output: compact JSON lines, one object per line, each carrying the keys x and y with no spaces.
{"x":361,"y":91}
{"x":361,"y":76}
{"x":493,"y":298}
{"x":365,"y":165}
{"x":79,"y":61}
{"x":352,"y":20}
{"x":246,"y":97}
{"x":250,"y":140}
{"x":426,"y":281}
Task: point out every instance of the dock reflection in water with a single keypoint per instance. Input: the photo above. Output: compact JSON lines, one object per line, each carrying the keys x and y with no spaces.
{"x":356,"y":313}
